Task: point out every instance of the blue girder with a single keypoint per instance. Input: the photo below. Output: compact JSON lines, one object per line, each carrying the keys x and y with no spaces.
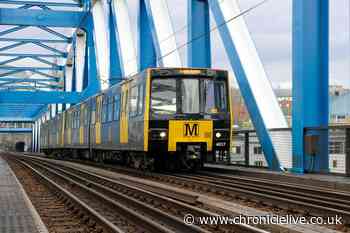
{"x":39,"y":97}
{"x":33,"y":55}
{"x":15,"y":130}
{"x":35,"y":3}
{"x":310,"y":83}
{"x":36,"y":40}
{"x":29,"y":17}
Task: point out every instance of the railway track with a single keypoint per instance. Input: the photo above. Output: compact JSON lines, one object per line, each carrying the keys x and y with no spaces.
{"x":293,"y":198}
{"x":166,"y":214}
{"x":59,"y":210}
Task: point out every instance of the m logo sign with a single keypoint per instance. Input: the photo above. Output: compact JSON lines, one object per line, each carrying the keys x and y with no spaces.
{"x":191,"y":129}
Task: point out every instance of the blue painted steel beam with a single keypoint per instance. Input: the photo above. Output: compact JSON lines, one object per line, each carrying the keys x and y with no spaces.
{"x":24,"y":17}
{"x":49,"y":48}
{"x":53,"y":32}
{"x":45,"y":83}
{"x":17,"y":68}
{"x":16,"y":119}
{"x":91,"y":82}
{"x":11,"y":60}
{"x":34,"y":58}
{"x":7,"y":79}
{"x":44,"y":61}
{"x":40,"y":97}
{"x":28,"y":6}
{"x":28,"y":88}
{"x":74,"y":69}
{"x":32,"y":55}
{"x":37,"y":84}
{"x":245,"y":88}
{"x":45,"y":74}
{"x":310,"y":82}
{"x":55,"y":41}
{"x":15,"y":130}
{"x":40,"y":112}
{"x":60,"y":4}
{"x":199,"y":54}
{"x":147,"y":51}
{"x":10,"y":73}
{"x":115,"y":65}
{"x":11,"y":30}
{"x":12,"y":46}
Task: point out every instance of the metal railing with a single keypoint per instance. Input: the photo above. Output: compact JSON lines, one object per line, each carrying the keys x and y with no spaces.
{"x":246,"y":149}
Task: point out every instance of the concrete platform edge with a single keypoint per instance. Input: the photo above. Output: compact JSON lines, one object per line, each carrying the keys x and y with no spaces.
{"x":39,"y":224}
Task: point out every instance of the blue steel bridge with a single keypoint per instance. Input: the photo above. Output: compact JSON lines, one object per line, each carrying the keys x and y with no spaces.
{"x":83,"y":46}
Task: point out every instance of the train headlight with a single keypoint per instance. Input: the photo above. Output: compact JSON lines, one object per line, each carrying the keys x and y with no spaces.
{"x":159,"y":134}
{"x":162,"y":134}
{"x":218,"y":135}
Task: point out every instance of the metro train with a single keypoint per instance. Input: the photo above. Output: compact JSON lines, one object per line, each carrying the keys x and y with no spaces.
{"x":159,"y":119}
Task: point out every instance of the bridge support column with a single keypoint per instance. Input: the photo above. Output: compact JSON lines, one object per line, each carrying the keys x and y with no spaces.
{"x":147,"y":53}
{"x":199,"y":54}
{"x":251,"y":77}
{"x":310,"y":83}
{"x":115,"y":70}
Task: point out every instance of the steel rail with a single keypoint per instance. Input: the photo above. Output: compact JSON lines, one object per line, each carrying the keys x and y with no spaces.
{"x":146,"y":216}
{"x":105,"y":185}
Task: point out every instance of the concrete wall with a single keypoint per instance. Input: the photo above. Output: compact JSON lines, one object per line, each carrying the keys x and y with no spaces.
{"x":8,"y":140}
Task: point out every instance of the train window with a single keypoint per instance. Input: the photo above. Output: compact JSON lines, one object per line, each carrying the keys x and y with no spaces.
{"x":110,"y":108}
{"x":104,"y":111}
{"x":78,"y":119}
{"x":133,"y":100}
{"x":163,"y":96}
{"x":72,"y":120}
{"x":93,"y":112}
{"x":216,"y":89}
{"x":75,"y":120}
{"x":190,"y":96}
{"x":141,"y":100}
{"x":66,"y":122}
{"x":86,"y":115}
{"x":116,"y":107}
{"x":98,"y":109}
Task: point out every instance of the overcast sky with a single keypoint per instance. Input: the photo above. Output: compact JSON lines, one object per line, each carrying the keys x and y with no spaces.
{"x":270,"y":27}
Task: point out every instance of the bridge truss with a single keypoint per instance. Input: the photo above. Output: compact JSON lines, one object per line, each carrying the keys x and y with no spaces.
{"x":83,"y":46}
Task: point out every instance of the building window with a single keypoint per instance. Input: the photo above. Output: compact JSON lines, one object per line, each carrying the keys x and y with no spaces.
{"x":257,"y":150}
{"x":335,"y":163}
{"x":237,"y":150}
{"x":336,"y":148}
{"x":259,"y":163}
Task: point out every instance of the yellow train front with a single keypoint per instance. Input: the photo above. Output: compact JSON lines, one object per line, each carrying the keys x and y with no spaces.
{"x":189,"y":117}
{"x":161,"y":118}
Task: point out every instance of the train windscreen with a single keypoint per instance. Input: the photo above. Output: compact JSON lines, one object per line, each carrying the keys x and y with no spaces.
{"x":188,"y":96}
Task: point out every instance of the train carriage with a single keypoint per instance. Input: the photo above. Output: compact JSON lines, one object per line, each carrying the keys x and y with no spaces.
{"x":162,"y":118}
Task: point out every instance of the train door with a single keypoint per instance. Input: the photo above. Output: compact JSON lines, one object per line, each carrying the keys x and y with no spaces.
{"x":63,"y":127}
{"x":124,"y":137}
{"x":98,"y":119}
{"x":82,"y":125}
